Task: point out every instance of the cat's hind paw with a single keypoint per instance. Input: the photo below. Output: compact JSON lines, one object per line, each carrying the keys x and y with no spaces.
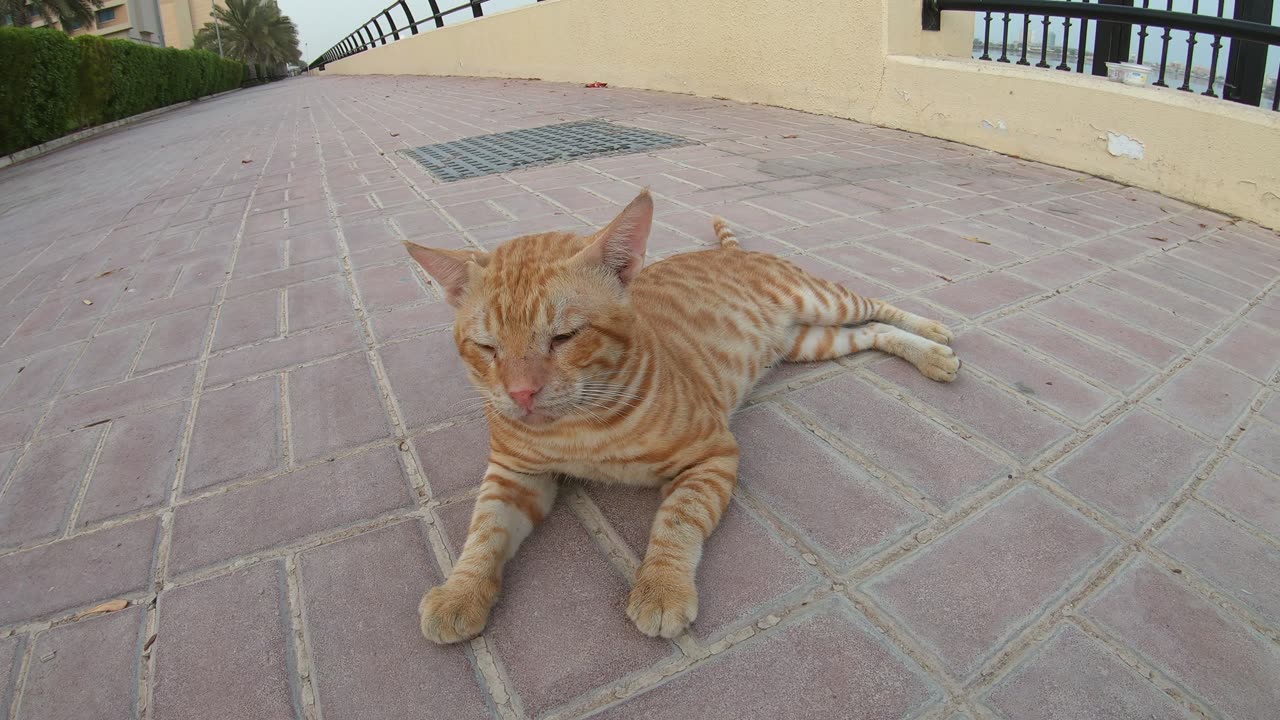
{"x":936,"y":331}
{"x":939,"y":363}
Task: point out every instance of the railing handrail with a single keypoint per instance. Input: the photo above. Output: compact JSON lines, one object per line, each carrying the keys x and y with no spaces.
{"x":1208,"y":24}
{"x":357,"y":42}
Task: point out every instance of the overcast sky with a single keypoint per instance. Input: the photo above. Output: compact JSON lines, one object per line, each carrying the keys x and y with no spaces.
{"x":322,"y":23}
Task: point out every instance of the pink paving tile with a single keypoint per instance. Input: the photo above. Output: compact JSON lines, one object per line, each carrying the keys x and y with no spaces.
{"x":414,"y":319}
{"x":1110,"y":330}
{"x":389,"y":285}
{"x":247,"y":319}
{"x":981,"y":295}
{"x":38,"y":377}
{"x":1032,"y":377}
{"x":910,"y":217}
{"x":1167,"y":277}
{"x":1131,"y":468}
{"x":794,"y":208}
{"x":454,"y":458}
{"x":108,"y":358}
{"x":1162,"y":296}
{"x":367,"y":651}
{"x":476,"y":213}
{"x":1031,"y":549}
{"x":276,"y":354}
{"x":322,"y":497}
{"x":1057,"y":270}
{"x":316,"y":391}
{"x":282,"y":278}
{"x":240,"y":618}
{"x":949,"y":471}
{"x":38,"y":497}
{"x":75,"y":572}
{"x":881,"y":268}
{"x":114,"y":401}
{"x":1004,"y":419}
{"x":1207,"y":276}
{"x":1207,"y":396}
{"x":85,"y":669}
{"x":237,"y":434}
{"x":1246,"y":492}
{"x":1261,"y":444}
{"x":1186,"y":636}
{"x":421,"y":223}
{"x":820,"y":665}
{"x":137,"y":463}
{"x":835,"y":503}
{"x":1237,"y":563}
{"x":319,"y":302}
{"x":174,"y":339}
{"x":16,"y":427}
{"x":429,"y":379}
{"x":1089,"y":358}
{"x":925,"y":255}
{"x":1074,"y":677}
{"x":1244,"y":348}
{"x":1148,"y":316}
{"x":584,"y":638}
{"x":12,"y":650}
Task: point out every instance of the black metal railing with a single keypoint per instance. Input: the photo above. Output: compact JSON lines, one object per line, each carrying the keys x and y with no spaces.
{"x":395,"y":20}
{"x":1133,"y":31}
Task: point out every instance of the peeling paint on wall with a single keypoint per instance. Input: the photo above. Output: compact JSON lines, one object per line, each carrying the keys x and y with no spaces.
{"x":1124,"y":146}
{"x":998,"y":126}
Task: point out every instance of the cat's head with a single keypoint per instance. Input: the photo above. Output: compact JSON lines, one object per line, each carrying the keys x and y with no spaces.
{"x":543,"y":321}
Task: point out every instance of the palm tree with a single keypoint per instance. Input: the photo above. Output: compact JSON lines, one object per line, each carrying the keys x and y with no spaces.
{"x":252,"y":31}
{"x":66,"y":12}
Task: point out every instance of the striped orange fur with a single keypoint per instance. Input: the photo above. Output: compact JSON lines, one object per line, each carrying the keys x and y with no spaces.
{"x":594,"y":368}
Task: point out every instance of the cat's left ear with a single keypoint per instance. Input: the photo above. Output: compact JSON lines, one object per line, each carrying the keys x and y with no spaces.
{"x":621,"y":245}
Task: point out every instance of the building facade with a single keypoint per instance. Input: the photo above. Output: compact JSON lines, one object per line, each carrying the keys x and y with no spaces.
{"x":183,"y":18}
{"x":137,"y":20}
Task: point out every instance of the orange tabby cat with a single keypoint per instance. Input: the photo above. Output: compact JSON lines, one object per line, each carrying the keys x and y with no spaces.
{"x":596,"y":369}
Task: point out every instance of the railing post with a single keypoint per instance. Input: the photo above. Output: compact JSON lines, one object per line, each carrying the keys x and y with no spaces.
{"x":395,"y":34}
{"x":930,"y":15}
{"x":435,"y":13}
{"x":1112,"y":43}
{"x":408,"y":15}
{"x":1247,"y":62}
{"x":381,"y":35}
{"x":477,"y":10}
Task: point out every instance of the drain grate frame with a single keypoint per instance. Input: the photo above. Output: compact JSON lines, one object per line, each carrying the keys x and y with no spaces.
{"x":502,"y":152}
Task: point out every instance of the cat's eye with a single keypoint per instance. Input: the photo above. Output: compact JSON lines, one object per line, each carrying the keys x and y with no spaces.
{"x":487,"y":348}
{"x":562,"y":338}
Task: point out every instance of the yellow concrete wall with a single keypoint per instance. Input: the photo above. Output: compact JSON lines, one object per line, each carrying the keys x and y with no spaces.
{"x":868,"y":60}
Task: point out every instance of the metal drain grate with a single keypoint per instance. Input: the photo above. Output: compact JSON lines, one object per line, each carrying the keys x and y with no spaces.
{"x":506,"y":151}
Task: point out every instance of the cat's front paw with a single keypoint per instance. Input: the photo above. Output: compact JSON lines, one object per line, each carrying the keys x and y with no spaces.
{"x":936,"y":331}
{"x":940,"y":363}
{"x":450,"y":616}
{"x":661,"y":605}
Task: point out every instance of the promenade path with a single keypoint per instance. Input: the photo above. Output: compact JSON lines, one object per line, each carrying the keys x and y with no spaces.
{"x":229,"y":398}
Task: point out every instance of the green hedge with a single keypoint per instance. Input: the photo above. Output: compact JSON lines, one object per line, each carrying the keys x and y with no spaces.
{"x":52,"y":84}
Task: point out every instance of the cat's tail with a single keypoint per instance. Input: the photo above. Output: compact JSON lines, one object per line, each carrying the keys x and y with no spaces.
{"x":727,"y":239}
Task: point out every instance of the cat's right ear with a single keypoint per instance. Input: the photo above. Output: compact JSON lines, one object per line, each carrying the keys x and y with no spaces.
{"x":453,"y":269}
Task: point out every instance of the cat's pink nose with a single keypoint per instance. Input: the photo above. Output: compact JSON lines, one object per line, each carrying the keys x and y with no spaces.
{"x":524,"y":397}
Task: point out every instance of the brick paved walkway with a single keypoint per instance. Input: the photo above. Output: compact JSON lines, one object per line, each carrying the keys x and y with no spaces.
{"x":227,"y":397}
